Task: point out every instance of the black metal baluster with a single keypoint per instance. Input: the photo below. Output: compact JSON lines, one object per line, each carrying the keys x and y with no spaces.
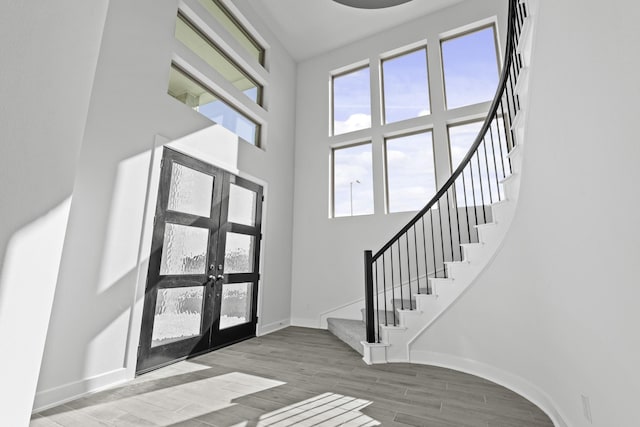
{"x":455,"y":193}
{"x":433,"y":244}
{"x":509,"y":144}
{"x":377,"y":304}
{"x":466,"y":205}
{"x":449,"y":216}
{"x":484,"y":212}
{"x":513,"y":95}
{"x":518,"y":26}
{"x":400,"y":271}
{"x":486,"y":164}
{"x":415,"y":247}
{"x":426,"y":263}
{"x":497,"y":122}
{"x":406,"y":236}
{"x":384,"y":286}
{"x":495,"y":164}
{"x":441,"y":237}
{"x":473,"y":191}
{"x":393,"y":290}
{"x":426,"y":255}
{"x":368,"y":296}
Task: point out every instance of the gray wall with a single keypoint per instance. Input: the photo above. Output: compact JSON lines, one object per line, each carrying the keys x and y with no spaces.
{"x":328,"y":252}
{"x":77,"y":144}
{"x":45,"y":87}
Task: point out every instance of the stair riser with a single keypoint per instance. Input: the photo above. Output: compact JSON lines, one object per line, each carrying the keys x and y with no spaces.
{"x":472,"y":252}
{"x":488,"y":233}
{"x":511,"y":187}
{"x":502,"y":211}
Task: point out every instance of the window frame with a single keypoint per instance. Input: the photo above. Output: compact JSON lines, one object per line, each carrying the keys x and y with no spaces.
{"x":383,"y":107}
{"x":387,"y":192}
{"x":332,"y":98}
{"x":438,"y":121}
{"x":459,"y":34}
{"x":233,"y":106}
{"x":332,"y":200}
{"x":200,"y":33}
{"x":236,"y":22}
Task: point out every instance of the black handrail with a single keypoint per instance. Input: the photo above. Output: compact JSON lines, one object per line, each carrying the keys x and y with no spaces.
{"x":497,"y":120}
{"x":481,"y":134}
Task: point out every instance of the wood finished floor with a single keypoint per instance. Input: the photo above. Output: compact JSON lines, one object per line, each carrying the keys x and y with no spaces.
{"x":297,"y":377}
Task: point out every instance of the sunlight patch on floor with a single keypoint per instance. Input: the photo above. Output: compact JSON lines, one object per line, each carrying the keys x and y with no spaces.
{"x":326,"y":410}
{"x":159,"y":403}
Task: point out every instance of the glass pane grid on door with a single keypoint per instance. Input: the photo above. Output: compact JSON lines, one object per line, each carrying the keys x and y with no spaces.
{"x":239,"y":253}
{"x":242,"y":205}
{"x":202,"y":280}
{"x":190,"y":191}
{"x":178,"y":314}
{"x":235,"y":308}
{"x":184,"y":250}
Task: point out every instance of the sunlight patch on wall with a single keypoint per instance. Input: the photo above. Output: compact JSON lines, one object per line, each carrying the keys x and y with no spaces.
{"x":26,"y":300}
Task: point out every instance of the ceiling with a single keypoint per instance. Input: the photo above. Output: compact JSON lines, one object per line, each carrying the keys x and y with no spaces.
{"x":308,"y":28}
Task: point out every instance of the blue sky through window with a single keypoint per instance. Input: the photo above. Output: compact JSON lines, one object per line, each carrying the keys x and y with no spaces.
{"x":410,"y":172}
{"x":471,"y":74}
{"x":350,"y":165}
{"x":230,"y":119}
{"x":351,"y":101}
{"x":406,"y":87}
{"x":461,"y":137}
{"x":470,"y":68}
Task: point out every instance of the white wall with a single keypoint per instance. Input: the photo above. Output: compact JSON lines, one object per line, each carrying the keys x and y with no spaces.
{"x":558,"y":309}
{"x":92,"y":339}
{"x":45,"y":86}
{"x":328,"y":253}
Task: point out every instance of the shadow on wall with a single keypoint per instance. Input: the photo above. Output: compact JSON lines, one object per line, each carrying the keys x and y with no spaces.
{"x":95,"y":319}
{"x":31,"y":251}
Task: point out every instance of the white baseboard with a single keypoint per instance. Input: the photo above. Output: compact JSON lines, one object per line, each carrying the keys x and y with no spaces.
{"x":305,"y":323}
{"x":513,"y":382}
{"x":272,"y":327}
{"x":46,"y":399}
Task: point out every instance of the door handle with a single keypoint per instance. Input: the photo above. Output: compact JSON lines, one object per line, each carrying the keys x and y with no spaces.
{"x":219,"y":277}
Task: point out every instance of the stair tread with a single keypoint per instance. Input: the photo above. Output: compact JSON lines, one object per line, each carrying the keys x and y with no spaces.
{"x":351,"y":331}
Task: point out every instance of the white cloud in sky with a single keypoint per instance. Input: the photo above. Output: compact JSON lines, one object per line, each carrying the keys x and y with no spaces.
{"x":354,"y":122}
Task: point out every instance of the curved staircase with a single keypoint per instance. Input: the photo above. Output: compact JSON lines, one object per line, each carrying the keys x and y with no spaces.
{"x":412,"y":280}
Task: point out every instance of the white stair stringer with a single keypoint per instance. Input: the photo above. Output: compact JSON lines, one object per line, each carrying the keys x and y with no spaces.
{"x":395,"y":345}
{"x":396,"y":340}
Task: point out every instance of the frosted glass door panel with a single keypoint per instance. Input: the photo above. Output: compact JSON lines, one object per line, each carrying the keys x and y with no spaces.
{"x":238,"y":253}
{"x":184,"y":250}
{"x":190,"y":191}
{"x":178,"y":314}
{"x":242,"y":205}
{"x":235,"y":308}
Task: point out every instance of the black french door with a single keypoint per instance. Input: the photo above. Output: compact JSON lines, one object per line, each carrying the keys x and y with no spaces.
{"x":202,"y":282}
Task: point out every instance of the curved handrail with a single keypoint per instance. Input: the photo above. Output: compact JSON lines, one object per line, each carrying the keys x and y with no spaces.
{"x":493,"y":109}
{"x":381,"y":270}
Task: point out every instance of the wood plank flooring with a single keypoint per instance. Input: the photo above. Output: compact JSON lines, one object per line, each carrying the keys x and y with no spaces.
{"x":297,"y":377}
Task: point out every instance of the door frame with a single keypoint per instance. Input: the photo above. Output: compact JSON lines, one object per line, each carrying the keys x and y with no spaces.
{"x":197,"y":145}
